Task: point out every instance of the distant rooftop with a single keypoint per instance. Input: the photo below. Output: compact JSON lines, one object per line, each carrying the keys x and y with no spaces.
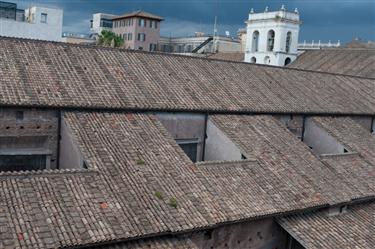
{"x":139,"y":13}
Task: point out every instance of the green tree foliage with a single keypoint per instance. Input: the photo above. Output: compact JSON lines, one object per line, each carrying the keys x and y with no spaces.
{"x":110,"y":39}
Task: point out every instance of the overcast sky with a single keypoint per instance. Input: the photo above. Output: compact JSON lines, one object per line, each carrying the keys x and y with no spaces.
{"x":322,"y":19}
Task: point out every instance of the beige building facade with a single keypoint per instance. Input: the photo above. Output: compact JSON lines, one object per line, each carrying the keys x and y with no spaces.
{"x":140,"y":30}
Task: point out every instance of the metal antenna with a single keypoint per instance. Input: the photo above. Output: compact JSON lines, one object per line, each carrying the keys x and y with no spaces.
{"x":215,"y":27}
{"x":215,"y":34}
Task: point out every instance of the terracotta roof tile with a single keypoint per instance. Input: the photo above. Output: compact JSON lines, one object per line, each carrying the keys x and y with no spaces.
{"x":359,"y":62}
{"x":228,"y":56}
{"x":35,"y":73}
{"x":139,"y":13}
{"x":154,"y":243}
{"x":354,"y":229}
{"x":131,"y":157}
{"x":287,"y":164}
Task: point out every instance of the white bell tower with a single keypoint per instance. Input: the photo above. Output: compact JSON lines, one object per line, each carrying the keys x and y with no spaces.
{"x":272,"y":37}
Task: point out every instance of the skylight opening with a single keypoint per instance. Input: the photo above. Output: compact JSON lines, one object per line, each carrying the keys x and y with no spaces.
{"x":199,"y":137}
{"x":320,"y":141}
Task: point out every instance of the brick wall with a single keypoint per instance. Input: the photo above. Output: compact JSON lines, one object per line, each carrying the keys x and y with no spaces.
{"x":260,"y":234}
{"x":29,"y":128}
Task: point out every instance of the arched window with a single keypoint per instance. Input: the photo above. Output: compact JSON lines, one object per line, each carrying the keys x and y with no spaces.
{"x":255,"y":42}
{"x":267,"y":60}
{"x":270,"y":40}
{"x":287,"y":61}
{"x":288,"y":41}
{"x":253,"y":60}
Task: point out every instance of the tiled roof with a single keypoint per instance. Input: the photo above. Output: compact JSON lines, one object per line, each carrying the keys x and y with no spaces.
{"x":359,"y":62}
{"x":140,"y":183}
{"x":350,"y":133}
{"x":36,"y":73}
{"x":163,"y":242}
{"x":129,"y":159}
{"x":139,"y":13}
{"x":360,"y":44}
{"x":288,"y":165}
{"x":228,"y":56}
{"x":354,"y":229}
{"x":358,"y":140}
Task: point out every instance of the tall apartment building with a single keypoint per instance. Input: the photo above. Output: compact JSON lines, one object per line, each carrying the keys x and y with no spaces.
{"x":34,"y":23}
{"x":272,"y":37}
{"x":140,"y":30}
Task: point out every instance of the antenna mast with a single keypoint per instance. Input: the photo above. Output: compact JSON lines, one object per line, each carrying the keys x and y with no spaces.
{"x":215,"y":35}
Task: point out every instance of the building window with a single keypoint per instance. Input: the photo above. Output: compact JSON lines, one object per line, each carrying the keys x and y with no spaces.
{"x":156,"y":24}
{"x":267,"y":60}
{"x":271,"y":40}
{"x":151,"y":23}
{"x":43,"y":18}
{"x":19,"y":115}
{"x":142,"y":22}
{"x":22,"y":162}
{"x":141,"y":37}
{"x":255,"y":43}
{"x":130,"y":36}
{"x":287,"y":61}
{"x":253,"y":60}
{"x":106,"y":23}
{"x":288,"y":41}
{"x":152,"y":47}
{"x":190,"y":147}
{"x":180,"y":48}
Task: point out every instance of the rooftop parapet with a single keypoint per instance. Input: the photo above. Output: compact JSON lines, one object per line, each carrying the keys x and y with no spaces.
{"x":281,"y":14}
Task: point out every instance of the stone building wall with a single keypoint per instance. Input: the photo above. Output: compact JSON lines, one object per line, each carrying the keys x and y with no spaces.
{"x":29,"y":129}
{"x":293,"y":122}
{"x":259,"y":234}
{"x":185,"y":126}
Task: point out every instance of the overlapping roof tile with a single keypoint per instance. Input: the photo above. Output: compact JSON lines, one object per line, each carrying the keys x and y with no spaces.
{"x":228,"y":56}
{"x":354,"y":229}
{"x":135,"y":170}
{"x":350,"y":61}
{"x":163,"y":242}
{"x":291,"y":164}
{"x":36,"y":73}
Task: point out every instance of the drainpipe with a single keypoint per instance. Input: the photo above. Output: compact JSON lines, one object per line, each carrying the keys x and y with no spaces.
{"x":205,"y":136}
{"x":58,"y":139}
{"x":303,"y":128}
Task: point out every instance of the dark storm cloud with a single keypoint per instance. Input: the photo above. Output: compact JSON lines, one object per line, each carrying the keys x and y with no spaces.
{"x":322,"y":19}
